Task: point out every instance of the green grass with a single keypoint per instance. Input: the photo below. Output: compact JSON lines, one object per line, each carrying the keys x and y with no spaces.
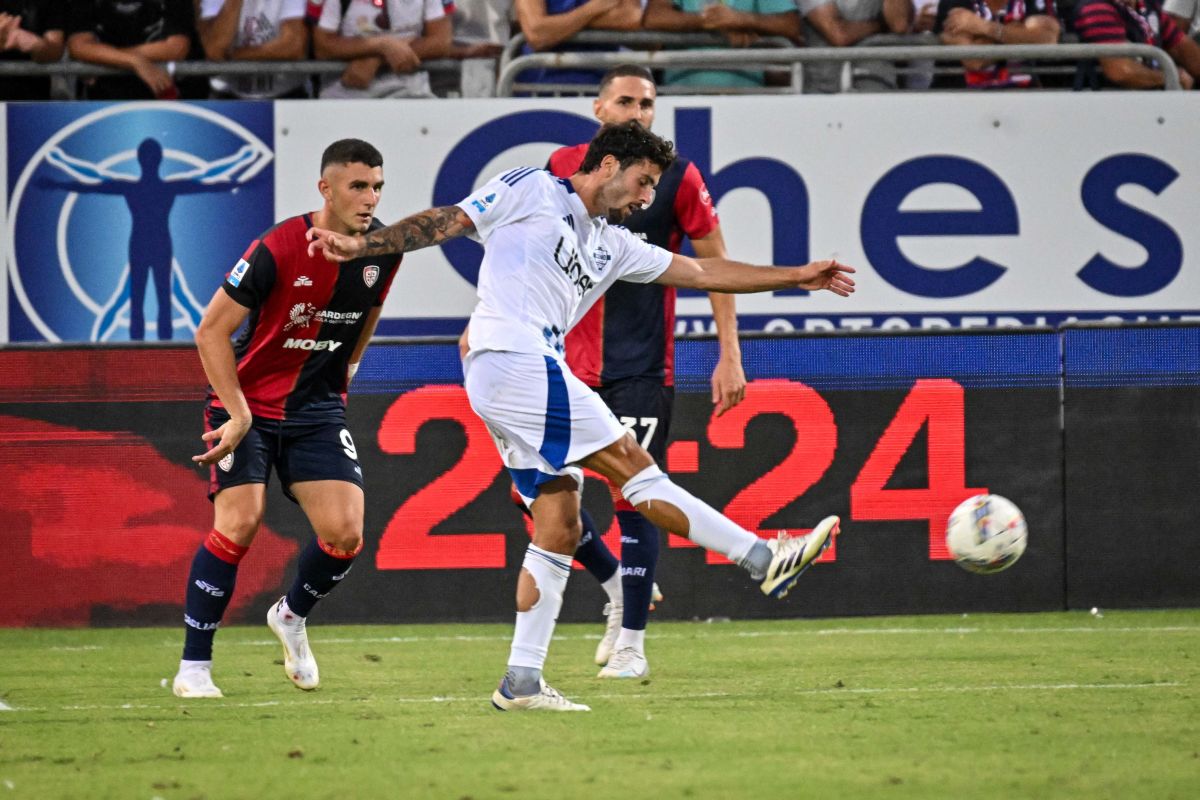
{"x":991,"y":706}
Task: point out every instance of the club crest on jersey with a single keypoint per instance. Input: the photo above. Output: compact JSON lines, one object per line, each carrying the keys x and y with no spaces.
{"x":370,"y":275}
{"x":226,"y":463}
{"x":601,"y":258}
{"x":300,"y":316}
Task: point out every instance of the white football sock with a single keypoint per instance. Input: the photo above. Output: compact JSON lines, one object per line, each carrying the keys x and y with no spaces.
{"x":535,"y":627}
{"x":631,"y":638}
{"x":708,"y":528}
{"x":612,"y":588}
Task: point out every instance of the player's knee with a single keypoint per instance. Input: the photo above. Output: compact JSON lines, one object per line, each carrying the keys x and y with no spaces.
{"x":240,"y":527}
{"x":345,"y":538}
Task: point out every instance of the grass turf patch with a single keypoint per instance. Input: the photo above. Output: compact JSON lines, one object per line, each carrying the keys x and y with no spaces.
{"x":1045,"y":705}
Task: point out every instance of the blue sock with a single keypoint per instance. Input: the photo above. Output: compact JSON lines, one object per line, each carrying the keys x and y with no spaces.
{"x":209,"y":589}
{"x":592,"y":552}
{"x":639,"y":555}
{"x":317,"y":574}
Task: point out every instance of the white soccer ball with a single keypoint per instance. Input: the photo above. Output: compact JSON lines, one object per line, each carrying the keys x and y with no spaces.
{"x":986,"y":533}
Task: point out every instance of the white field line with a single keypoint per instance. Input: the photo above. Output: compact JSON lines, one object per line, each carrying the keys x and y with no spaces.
{"x":707,"y":631}
{"x":482,"y":699}
{"x":5,"y":706}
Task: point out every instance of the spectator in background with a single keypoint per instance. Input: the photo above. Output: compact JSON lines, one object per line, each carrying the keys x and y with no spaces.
{"x":144,"y":37}
{"x":385,"y":42}
{"x":548,"y":23}
{"x":30,"y":30}
{"x":844,"y":23}
{"x":1186,"y":14}
{"x":741,"y":22}
{"x":1142,"y":21}
{"x":986,"y":22}
{"x":481,"y":27}
{"x":255,"y":30}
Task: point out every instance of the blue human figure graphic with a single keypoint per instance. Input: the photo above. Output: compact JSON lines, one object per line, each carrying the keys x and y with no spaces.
{"x":150,"y":198}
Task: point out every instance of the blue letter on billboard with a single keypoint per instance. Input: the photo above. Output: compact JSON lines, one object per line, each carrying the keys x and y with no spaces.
{"x":1164,"y":251}
{"x":783,"y":187}
{"x":883,"y":223}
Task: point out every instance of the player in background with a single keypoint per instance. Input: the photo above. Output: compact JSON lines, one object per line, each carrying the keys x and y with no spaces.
{"x":624,"y":348}
{"x":277,"y":401}
{"x":549,"y":254}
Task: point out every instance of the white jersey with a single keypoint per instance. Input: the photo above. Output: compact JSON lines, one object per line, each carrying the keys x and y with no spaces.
{"x":545,"y":261}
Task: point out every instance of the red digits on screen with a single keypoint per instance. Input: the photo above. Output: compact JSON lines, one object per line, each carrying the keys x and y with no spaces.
{"x":938,"y":402}
{"x":811,"y":456}
{"x":408,"y":542}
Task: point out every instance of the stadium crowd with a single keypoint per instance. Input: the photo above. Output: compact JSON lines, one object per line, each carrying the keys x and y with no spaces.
{"x":384,"y":43}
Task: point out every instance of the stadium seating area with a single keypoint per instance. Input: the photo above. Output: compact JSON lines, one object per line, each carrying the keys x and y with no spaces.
{"x":446,"y":48}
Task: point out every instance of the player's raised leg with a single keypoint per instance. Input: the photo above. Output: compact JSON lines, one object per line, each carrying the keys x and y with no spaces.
{"x":540,"y":587}
{"x":776,"y":564}
{"x":335,"y":509}
{"x":237,"y":514}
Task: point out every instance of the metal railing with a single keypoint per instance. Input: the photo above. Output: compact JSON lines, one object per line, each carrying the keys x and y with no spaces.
{"x":209,"y":69}
{"x":797,"y":56}
{"x":641,"y":40}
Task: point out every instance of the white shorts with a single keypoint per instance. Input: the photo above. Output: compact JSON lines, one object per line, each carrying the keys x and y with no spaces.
{"x":543,"y":419}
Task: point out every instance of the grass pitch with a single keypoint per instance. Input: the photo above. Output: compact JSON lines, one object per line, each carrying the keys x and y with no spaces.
{"x":995,"y":706}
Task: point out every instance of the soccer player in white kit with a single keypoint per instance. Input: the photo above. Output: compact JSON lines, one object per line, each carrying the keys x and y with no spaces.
{"x":549,"y":253}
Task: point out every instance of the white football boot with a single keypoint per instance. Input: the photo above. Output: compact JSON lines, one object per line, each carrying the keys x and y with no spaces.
{"x":792,"y":555}
{"x":194,"y":679}
{"x":547,"y":699}
{"x":613,"y":612}
{"x":626,"y":663}
{"x":298,"y":661}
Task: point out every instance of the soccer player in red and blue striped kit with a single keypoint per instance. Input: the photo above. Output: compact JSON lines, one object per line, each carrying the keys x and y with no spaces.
{"x":277,"y":402}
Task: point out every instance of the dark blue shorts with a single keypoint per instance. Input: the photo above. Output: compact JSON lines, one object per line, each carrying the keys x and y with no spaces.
{"x":298,"y":451}
{"x":643,"y":406}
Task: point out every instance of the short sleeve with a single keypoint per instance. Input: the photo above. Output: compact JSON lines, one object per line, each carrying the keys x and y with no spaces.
{"x":638,"y":261}
{"x":1169,"y":31}
{"x":81,"y":18}
{"x":434,"y":10}
{"x":179,"y":18}
{"x":774,"y":6}
{"x":210,"y":8}
{"x":331,"y":16}
{"x":1181,"y":8}
{"x":694,"y":209}
{"x":808,"y":6}
{"x":252,"y":278}
{"x":507,"y":198}
{"x":293,"y":9}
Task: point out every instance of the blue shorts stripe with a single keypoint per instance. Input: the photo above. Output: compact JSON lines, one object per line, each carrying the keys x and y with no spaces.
{"x":528,"y":480}
{"x":556,"y":440}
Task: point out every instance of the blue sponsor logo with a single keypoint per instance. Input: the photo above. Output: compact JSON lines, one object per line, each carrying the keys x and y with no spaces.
{"x":125,"y":217}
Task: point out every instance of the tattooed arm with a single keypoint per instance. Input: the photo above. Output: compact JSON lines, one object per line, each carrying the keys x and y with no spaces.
{"x":423,"y":229}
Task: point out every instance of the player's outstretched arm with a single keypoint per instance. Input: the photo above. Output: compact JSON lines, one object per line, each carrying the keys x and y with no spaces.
{"x":222,"y":317}
{"x":723,"y":275}
{"x":426,"y":228}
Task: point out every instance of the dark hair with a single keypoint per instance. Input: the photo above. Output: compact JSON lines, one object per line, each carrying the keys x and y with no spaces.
{"x":629,"y":143}
{"x":626,"y":71}
{"x":351,"y":151}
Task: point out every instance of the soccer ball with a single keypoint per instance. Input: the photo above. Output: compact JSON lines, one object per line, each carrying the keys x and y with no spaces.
{"x":986,"y":533}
